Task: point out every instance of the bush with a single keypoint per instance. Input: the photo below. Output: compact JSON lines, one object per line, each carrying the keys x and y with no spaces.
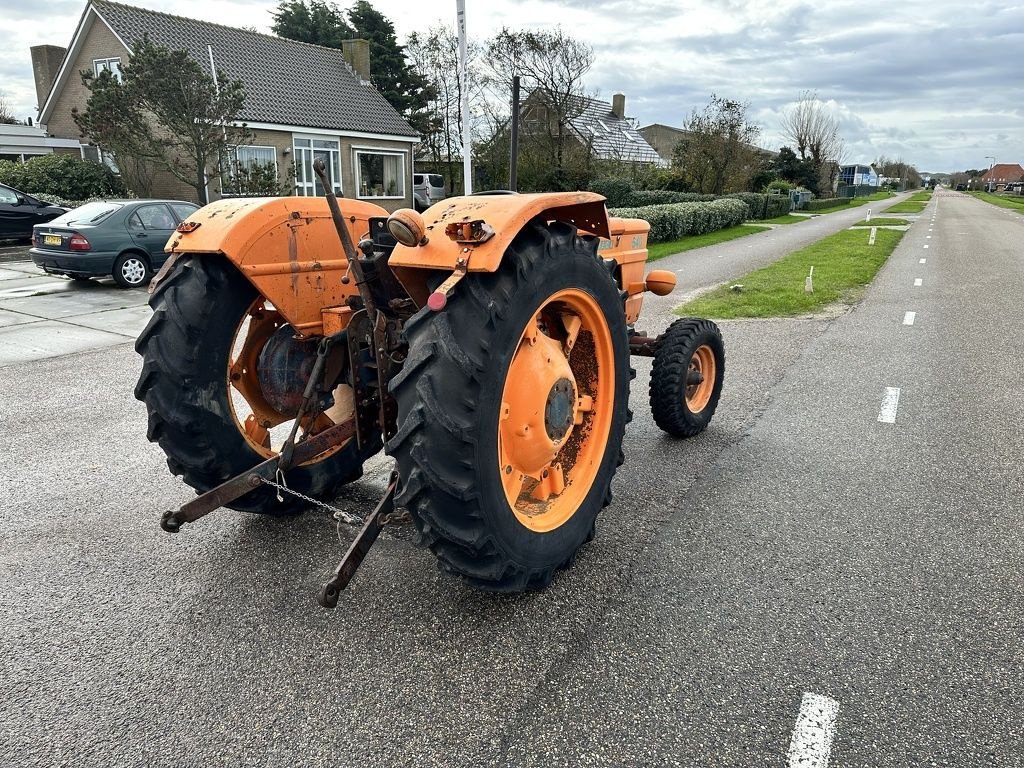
{"x":671,"y":222}
{"x":615,"y":190}
{"x":825,"y":203}
{"x":63,"y":176}
{"x":779,"y":184}
{"x":777,"y":205}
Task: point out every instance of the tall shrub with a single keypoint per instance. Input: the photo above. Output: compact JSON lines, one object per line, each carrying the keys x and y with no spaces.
{"x":62,"y":175}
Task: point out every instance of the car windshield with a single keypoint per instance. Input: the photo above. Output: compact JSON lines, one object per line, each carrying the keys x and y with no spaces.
{"x":90,"y":213}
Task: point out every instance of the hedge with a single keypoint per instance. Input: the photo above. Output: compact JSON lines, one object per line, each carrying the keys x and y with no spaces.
{"x":825,"y":203}
{"x":59,"y":175}
{"x":778,"y":205}
{"x":615,"y":191}
{"x":671,"y":222}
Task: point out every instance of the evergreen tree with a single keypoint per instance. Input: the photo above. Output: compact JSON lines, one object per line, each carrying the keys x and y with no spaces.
{"x":315,"y":21}
{"x":311,"y":22}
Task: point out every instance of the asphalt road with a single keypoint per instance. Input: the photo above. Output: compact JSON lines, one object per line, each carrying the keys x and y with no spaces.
{"x":798,"y":546}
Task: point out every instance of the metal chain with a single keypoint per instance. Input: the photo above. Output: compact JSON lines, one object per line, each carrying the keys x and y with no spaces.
{"x":339,"y":514}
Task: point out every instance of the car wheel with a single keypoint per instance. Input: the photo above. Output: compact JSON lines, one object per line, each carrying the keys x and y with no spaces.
{"x":131,"y":270}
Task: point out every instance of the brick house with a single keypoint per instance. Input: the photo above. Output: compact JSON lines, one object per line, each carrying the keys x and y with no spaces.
{"x":1001,"y":174}
{"x":303,"y":101}
{"x":602,"y":127}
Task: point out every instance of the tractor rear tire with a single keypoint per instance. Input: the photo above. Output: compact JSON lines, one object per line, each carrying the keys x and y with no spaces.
{"x":449,"y":444}
{"x":687,"y":376}
{"x":184,"y":384}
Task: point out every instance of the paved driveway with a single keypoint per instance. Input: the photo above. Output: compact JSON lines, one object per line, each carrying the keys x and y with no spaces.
{"x":45,"y":316}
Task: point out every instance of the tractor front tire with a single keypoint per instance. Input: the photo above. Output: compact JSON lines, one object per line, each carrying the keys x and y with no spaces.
{"x":459,"y":400}
{"x":687,"y":376}
{"x":186,"y":348}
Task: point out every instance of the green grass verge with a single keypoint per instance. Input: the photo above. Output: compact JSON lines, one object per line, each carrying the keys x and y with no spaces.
{"x":919,"y":197}
{"x":843,"y":265}
{"x":905,"y":207}
{"x":786,"y":219}
{"x":882,"y":222}
{"x":1013,"y":203}
{"x":657,"y":251}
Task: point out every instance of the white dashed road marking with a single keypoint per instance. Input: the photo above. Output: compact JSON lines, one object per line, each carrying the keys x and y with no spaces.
{"x":811,"y":745}
{"x":918,"y":282}
{"x":923,"y":261}
{"x":926,"y":245}
{"x":908,"y":318}
{"x":890,"y":402}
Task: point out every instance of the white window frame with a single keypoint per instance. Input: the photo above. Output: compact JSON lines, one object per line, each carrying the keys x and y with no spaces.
{"x":101,"y":65}
{"x":357,"y":171}
{"x":271,"y":147}
{"x":308,"y":188}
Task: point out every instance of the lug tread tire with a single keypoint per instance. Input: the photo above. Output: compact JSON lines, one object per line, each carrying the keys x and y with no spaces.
{"x":441,"y":392}
{"x":196,"y":310}
{"x":672,"y":353}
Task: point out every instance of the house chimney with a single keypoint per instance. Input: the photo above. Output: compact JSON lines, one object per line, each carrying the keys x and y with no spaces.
{"x":357,"y":54}
{"x":619,"y":105}
{"x":46,"y":60}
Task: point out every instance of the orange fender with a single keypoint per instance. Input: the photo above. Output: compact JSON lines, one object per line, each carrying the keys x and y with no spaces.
{"x":286,"y":246}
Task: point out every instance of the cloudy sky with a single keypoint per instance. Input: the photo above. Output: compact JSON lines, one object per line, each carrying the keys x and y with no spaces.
{"x":937,"y":82}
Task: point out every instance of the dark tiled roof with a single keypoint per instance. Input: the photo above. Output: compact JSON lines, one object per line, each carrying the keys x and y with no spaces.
{"x":612,"y":138}
{"x":286,"y":82}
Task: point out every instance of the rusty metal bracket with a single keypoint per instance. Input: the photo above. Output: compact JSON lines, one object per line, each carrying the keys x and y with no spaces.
{"x":163,"y":272}
{"x":469,"y":232}
{"x":238,"y":486}
{"x":642,"y":346}
{"x":360,"y":546}
{"x":438,"y":300}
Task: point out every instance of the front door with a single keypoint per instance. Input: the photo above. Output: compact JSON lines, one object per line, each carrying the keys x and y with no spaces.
{"x":307,"y":151}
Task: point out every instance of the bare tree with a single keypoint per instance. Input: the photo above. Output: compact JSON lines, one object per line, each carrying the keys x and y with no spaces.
{"x":718,"y":153}
{"x":6,"y":116}
{"x":551,"y":65}
{"x":814,"y":131}
{"x":435,"y":56}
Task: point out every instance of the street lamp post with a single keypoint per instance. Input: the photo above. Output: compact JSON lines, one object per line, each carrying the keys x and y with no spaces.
{"x":989,"y":185}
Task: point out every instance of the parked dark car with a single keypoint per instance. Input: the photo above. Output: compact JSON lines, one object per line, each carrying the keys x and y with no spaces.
{"x":121,"y":238}
{"x":20,"y":212}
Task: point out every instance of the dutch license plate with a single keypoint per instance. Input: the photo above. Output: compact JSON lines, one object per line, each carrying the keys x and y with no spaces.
{"x":52,"y":240}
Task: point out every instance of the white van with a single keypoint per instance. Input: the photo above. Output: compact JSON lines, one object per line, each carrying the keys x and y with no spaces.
{"x":427,"y":189}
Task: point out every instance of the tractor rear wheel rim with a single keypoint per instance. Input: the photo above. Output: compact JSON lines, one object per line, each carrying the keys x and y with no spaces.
{"x":561,"y":371}
{"x":263,"y":427}
{"x":700,"y":378}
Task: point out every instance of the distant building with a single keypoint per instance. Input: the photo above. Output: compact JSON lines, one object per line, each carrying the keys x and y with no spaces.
{"x":664,"y":139}
{"x":858,"y":176}
{"x":23,"y":142}
{"x":599,"y":125}
{"x":1001,"y":174}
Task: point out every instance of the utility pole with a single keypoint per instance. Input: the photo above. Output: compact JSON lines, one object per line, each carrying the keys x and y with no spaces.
{"x":513,"y":155}
{"x":467,"y":141}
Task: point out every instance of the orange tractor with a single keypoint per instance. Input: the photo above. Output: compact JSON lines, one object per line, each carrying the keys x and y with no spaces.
{"x":484,"y":344}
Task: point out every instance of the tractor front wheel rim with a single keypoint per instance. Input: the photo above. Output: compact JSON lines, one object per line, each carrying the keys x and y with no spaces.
{"x":700,"y":378}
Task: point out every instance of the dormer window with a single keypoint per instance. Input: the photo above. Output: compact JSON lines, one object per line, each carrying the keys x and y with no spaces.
{"x":113,"y":66}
